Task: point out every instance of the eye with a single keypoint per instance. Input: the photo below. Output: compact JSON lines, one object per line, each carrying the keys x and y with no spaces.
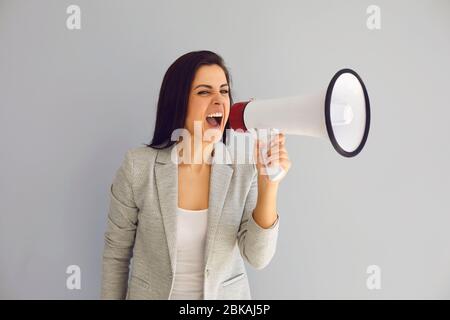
{"x":203,"y":92}
{"x":224,"y":91}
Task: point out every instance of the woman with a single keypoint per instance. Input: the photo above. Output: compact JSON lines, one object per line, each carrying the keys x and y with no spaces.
{"x":189,"y":225}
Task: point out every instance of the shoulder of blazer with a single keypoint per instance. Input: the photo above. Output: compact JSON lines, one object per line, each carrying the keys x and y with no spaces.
{"x":142,"y":158}
{"x":142,"y":162}
{"x":143,"y":153}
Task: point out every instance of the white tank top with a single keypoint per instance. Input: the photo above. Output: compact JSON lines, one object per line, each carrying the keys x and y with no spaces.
{"x":191,"y":238}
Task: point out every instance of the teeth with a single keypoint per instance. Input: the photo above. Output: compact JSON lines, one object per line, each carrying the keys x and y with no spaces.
{"x":217,"y":114}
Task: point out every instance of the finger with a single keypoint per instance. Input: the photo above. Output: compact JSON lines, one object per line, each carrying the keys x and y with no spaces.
{"x":275,"y":148}
{"x":282,"y":139}
{"x":275,"y":151}
{"x":262,"y":155}
{"x":278,"y":140}
{"x":273,"y":163}
{"x":261,"y":143}
{"x":257,"y":156}
{"x":277,"y":159}
{"x":284,"y":163}
{"x":280,"y":155}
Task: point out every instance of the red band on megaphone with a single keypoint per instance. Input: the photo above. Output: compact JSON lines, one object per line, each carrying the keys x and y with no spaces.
{"x":237,"y":116}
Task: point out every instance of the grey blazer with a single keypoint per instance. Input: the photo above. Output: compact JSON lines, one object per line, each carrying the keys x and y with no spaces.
{"x":141,"y":229}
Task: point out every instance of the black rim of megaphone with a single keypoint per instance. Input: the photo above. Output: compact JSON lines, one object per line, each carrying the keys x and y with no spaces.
{"x":333,"y":140}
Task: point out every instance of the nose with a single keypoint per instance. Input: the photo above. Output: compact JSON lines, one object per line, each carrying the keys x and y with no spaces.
{"x":218,"y":99}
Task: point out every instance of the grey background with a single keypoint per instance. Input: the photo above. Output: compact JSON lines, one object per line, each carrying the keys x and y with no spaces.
{"x":73,"y":102}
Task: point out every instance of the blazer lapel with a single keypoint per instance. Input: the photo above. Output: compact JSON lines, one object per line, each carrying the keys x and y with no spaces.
{"x":166,"y":173}
{"x":218,"y":188}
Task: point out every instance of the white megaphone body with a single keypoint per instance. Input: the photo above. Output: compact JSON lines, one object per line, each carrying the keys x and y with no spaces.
{"x":339,"y":113}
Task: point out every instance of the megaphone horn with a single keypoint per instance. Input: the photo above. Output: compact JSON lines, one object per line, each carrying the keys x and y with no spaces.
{"x":340,"y":113}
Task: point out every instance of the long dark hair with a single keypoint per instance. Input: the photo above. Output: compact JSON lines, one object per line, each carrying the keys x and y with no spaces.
{"x":174,"y":95}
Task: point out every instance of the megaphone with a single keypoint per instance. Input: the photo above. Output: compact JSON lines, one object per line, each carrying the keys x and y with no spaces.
{"x":339,"y":113}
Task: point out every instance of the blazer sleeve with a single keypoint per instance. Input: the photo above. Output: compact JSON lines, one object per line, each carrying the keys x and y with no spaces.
{"x":120,"y":233}
{"x":256,"y":244}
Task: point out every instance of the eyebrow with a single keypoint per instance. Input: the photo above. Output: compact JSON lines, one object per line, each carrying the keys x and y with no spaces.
{"x":210,"y":87}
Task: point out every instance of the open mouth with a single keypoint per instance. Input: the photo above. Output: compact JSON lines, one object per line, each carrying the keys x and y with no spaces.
{"x":214,"y":119}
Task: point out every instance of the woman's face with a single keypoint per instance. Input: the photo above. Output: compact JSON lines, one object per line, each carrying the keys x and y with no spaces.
{"x":209,"y":100}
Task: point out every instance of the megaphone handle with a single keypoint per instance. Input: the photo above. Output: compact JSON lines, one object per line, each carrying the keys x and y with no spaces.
{"x":274,"y":173}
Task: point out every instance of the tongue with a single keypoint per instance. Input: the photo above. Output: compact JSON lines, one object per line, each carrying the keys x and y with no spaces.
{"x":212,"y":121}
